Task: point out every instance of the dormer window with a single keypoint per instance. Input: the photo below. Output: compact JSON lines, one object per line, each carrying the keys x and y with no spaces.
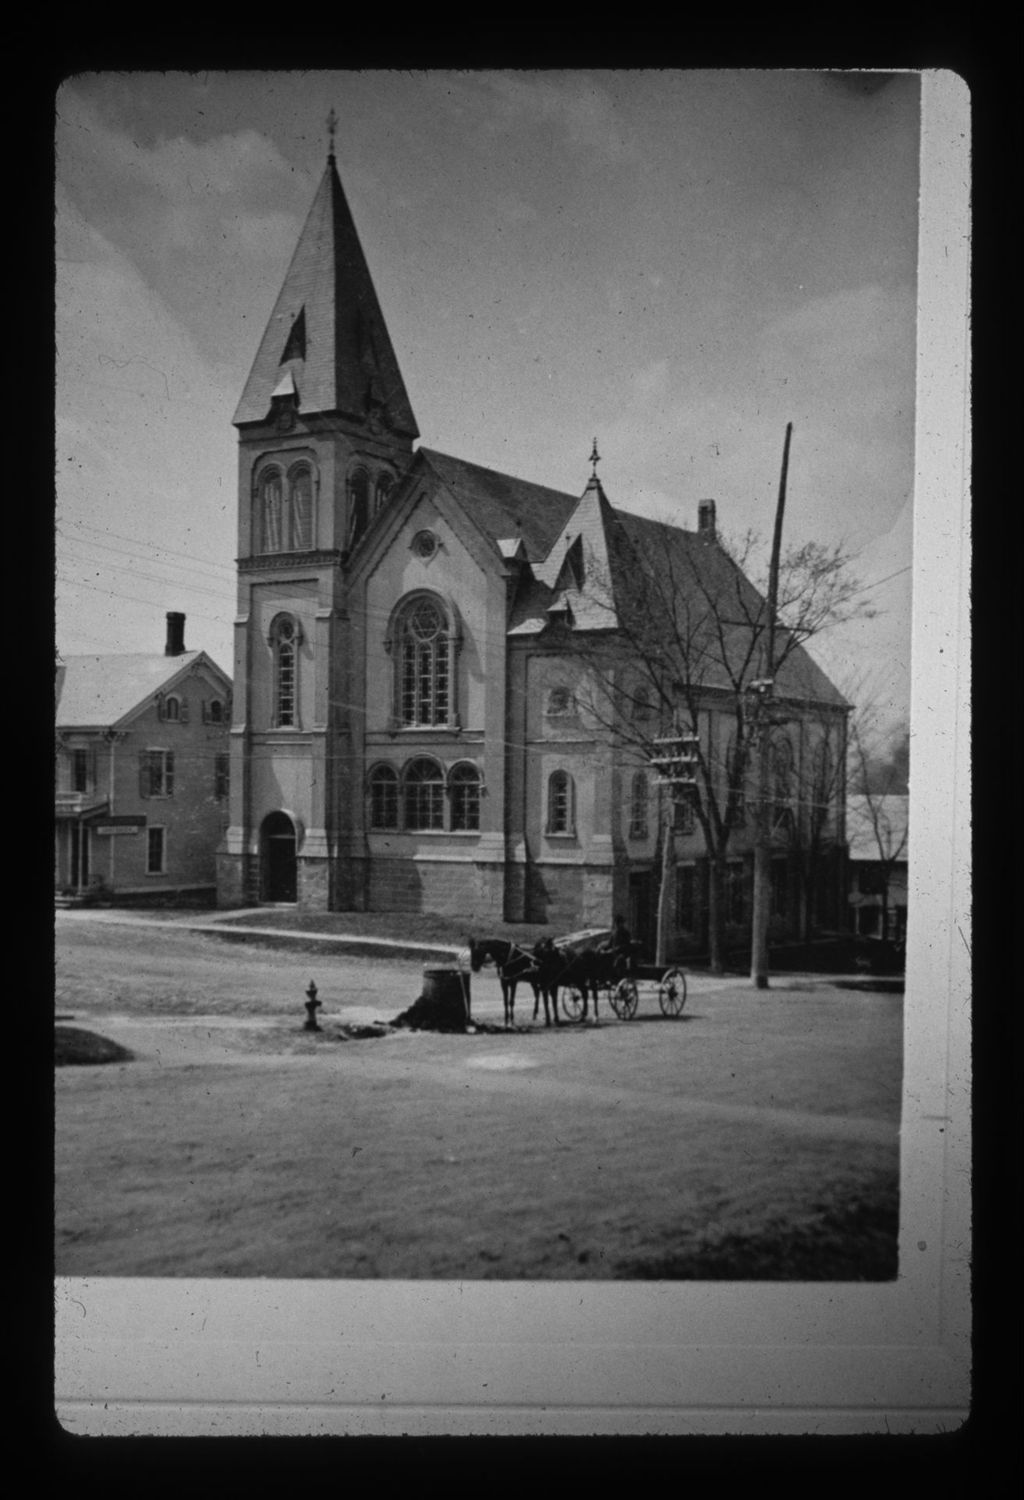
{"x":295,"y":347}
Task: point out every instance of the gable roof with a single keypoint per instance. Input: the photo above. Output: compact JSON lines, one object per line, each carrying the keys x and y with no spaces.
{"x":505,"y":508}
{"x":552,"y":526}
{"x":327,"y":331}
{"x":97,"y":692}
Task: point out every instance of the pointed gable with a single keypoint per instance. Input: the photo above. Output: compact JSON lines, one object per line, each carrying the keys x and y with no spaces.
{"x":581,"y":565}
{"x":327,"y":330}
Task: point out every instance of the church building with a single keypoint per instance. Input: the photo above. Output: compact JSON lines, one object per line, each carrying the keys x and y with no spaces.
{"x":410,"y":724}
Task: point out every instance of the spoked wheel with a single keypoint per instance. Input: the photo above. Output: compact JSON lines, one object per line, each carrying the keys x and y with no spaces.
{"x":672,"y":993}
{"x":625,"y":999}
{"x":574,"y":1002}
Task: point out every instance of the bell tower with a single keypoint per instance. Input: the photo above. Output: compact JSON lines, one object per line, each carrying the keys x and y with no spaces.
{"x":325,"y":431}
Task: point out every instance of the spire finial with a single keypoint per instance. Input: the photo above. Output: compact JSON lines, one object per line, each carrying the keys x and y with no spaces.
{"x":332,"y":125}
{"x":595,"y":459}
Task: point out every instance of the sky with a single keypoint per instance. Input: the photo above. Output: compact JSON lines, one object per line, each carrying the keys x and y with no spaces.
{"x":675,"y":263}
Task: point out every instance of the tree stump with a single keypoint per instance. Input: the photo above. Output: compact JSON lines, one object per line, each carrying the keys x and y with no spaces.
{"x":443,"y":1004}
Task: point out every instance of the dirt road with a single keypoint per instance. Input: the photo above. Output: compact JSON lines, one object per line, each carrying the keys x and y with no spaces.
{"x":237,"y":1144}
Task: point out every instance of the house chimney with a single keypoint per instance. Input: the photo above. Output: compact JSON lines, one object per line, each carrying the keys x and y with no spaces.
{"x":706,"y":519}
{"x":175,"y":634}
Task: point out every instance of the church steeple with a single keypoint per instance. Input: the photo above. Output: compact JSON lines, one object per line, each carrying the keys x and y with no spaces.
{"x":327,"y":330}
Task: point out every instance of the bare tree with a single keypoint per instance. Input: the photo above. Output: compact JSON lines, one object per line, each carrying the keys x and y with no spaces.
{"x":879,"y":776}
{"x":673,"y":636}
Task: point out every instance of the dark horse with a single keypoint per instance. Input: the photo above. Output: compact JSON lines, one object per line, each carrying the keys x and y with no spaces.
{"x":513,"y":963}
{"x":568,"y":968}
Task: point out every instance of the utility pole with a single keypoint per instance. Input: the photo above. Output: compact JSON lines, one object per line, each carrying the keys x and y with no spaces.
{"x":764,"y":689}
{"x":675,"y":763}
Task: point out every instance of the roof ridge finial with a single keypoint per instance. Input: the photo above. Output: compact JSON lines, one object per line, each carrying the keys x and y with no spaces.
{"x":332,"y":125}
{"x":595,"y":459}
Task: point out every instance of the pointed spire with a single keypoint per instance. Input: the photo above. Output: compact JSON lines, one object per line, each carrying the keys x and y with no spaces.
{"x":327,"y":326}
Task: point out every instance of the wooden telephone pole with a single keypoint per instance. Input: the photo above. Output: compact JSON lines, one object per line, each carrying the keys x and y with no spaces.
{"x":765,"y":691}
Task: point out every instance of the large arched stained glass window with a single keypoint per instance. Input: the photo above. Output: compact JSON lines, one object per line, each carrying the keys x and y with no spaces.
{"x":424,"y":795}
{"x":424,"y":664}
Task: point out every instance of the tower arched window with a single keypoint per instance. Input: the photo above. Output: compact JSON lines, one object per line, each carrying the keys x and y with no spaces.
{"x":358,"y":504}
{"x":424,"y":656}
{"x":464,"y":789}
{"x":381,"y":493}
{"x":284,"y":520}
{"x":384,"y":797}
{"x":561,"y":812}
{"x":271,"y":511}
{"x":285,"y":638}
{"x":300,"y":508}
{"x":423,"y":788}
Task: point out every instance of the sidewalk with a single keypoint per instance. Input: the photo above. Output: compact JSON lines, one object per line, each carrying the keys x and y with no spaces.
{"x":230,"y":926}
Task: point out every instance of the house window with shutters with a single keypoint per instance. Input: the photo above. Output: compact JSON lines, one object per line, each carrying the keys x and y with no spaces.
{"x":156,"y":851}
{"x":80,"y":769}
{"x":156,"y":773}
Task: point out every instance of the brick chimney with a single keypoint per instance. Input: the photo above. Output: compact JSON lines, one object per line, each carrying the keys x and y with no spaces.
{"x":706,"y":519}
{"x":175,"y":634}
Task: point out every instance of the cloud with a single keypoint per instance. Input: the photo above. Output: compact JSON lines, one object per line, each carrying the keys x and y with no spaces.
{"x":580,"y":107}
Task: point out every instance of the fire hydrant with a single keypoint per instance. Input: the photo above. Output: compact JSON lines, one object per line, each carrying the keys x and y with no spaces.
{"x":312,"y":1006}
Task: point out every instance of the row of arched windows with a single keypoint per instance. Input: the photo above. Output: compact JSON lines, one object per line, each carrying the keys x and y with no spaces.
{"x":421,"y":796}
{"x":285,"y":509}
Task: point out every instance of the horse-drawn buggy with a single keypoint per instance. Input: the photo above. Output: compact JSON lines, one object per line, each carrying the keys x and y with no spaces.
{"x":576,"y":969}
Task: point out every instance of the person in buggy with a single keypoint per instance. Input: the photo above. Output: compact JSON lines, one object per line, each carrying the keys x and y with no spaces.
{"x":620,"y":946}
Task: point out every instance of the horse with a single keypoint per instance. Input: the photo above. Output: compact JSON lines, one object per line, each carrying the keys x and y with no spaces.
{"x":545,"y":979}
{"x":513,"y":964}
{"x":565,"y":968}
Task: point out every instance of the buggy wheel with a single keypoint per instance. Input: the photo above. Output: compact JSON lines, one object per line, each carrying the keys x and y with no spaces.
{"x":624,"y":999}
{"x":574,"y":1002}
{"x":672,"y":992}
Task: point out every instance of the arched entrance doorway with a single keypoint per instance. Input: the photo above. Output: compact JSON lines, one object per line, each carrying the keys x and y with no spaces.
{"x":277,"y":858}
